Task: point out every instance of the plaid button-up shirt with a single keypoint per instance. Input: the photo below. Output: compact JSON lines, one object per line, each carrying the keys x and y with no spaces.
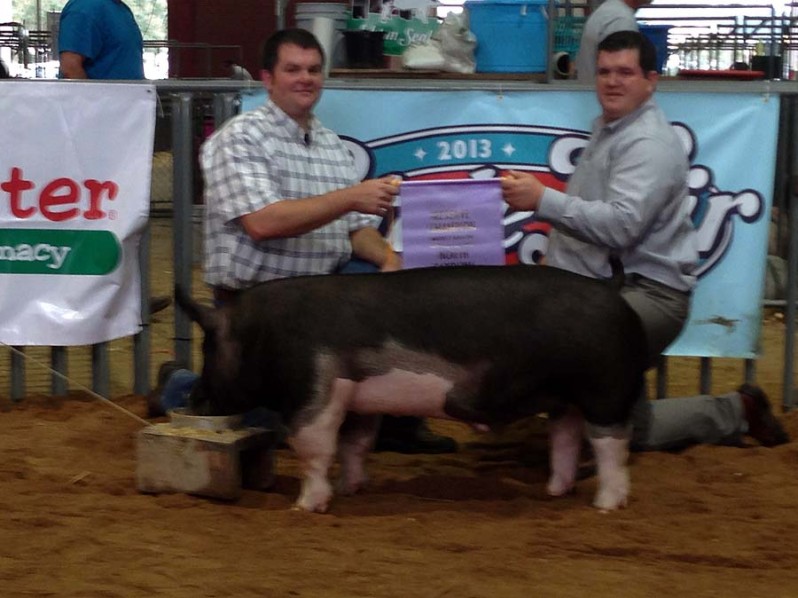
{"x":259,"y":158}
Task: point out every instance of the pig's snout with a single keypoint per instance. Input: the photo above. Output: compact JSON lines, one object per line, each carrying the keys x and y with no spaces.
{"x":199,"y":403}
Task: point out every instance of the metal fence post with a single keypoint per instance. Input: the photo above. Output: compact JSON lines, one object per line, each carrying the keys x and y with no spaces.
{"x":182,"y":200}
{"x":705,"y":382}
{"x":788,"y":401}
{"x":18,"y":375}
{"x":100,"y":369}
{"x":225,"y":105}
{"x":58,"y":385}
{"x":142,"y":340}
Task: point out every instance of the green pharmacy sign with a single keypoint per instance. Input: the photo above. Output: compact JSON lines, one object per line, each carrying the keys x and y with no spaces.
{"x":47,"y":251}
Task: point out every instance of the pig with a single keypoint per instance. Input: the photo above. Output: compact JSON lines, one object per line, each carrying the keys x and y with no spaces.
{"x":485,"y":345}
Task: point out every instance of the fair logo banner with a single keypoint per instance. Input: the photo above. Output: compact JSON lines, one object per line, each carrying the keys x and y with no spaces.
{"x":74,"y":193}
{"x":478,"y":134}
{"x":452,"y":223}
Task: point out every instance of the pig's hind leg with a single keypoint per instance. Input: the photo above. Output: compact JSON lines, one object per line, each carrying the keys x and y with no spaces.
{"x":565,"y":442}
{"x":611,"y":447}
{"x":315,"y":445}
{"x":355,"y":441}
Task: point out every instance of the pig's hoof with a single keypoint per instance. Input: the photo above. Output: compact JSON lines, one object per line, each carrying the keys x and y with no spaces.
{"x":610,"y":500}
{"x":613,"y":490}
{"x":314,"y":503}
{"x":348,"y":487}
{"x":311,"y":508}
{"x":559,"y":486}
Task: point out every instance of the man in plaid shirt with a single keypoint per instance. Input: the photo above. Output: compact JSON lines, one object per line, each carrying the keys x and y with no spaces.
{"x":283,"y":198}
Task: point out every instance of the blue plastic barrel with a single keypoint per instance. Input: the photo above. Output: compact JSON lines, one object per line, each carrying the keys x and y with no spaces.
{"x":511,"y":35}
{"x":658,"y":34}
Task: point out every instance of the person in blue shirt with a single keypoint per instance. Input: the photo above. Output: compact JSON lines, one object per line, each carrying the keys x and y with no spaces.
{"x":99,"y":39}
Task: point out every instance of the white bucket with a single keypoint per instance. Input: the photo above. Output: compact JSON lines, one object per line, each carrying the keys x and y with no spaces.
{"x":338,"y":14}
{"x":324,"y":30}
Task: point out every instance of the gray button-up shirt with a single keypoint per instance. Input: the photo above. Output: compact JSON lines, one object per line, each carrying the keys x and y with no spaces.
{"x":628,"y":195}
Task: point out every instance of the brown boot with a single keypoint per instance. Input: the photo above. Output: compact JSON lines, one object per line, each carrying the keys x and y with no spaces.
{"x":410,"y":435}
{"x":762,"y":424}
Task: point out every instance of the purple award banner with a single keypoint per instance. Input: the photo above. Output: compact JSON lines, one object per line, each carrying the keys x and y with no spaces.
{"x":452,"y":223}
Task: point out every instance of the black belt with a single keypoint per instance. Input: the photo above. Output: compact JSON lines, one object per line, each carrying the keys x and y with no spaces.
{"x":634,"y":278}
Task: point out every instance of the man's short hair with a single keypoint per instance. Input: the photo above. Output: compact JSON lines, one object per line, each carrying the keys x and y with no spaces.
{"x":631,"y":40}
{"x":298,"y":37}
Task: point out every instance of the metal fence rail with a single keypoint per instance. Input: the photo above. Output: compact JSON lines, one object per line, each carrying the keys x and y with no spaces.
{"x":186,"y":106}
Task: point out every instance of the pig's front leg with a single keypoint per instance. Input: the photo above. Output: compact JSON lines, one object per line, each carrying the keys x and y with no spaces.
{"x":315,"y":445}
{"x":611,"y":447}
{"x":354,"y":444}
{"x":565,"y":441}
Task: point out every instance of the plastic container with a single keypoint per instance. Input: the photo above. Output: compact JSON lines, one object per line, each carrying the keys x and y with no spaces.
{"x":568,"y":34}
{"x":338,"y":12}
{"x":512,"y":35}
{"x":770,"y":65}
{"x":364,"y":49}
{"x":182,"y":418}
{"x":658,"y":34}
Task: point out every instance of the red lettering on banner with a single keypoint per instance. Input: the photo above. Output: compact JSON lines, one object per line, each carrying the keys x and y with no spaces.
{"x":97,"y":189}
{"x":59,"y":199}
{"x":60,"y":192}
{"x":14,"y":187}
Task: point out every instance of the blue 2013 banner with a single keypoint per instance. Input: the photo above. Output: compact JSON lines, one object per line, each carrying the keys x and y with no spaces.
{"x":730,"y":139}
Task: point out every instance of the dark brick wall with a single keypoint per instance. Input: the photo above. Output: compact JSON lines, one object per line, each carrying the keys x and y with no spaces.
{"x":234,"y":30}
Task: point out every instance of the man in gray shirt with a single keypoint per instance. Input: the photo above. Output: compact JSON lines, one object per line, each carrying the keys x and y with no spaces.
{"x":609,"y":17}
{"x":628,"y":198}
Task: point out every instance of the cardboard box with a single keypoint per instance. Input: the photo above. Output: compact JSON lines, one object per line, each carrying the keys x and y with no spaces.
{"x":209,"y":463}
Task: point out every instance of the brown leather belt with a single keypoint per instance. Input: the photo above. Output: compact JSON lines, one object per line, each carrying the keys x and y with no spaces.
{"x":222,"y":295}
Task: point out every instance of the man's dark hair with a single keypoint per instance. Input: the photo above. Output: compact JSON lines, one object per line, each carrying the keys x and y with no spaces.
{"x":631,"y":40}
{"x":298,"y":37}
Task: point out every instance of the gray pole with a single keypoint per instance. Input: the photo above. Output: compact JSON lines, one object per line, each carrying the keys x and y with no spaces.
{"x":279,"y":10}
{"x":788,"y":400}
{"x":182,"y":200}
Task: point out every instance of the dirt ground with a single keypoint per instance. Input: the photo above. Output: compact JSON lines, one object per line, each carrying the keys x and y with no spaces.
{"x":709,"y":521}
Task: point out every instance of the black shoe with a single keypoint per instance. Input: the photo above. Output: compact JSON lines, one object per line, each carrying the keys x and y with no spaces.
{"x":762,"y":424}
{"x":410,"y":435}
{"x":159,"y":303}
{"x":154,"y":407}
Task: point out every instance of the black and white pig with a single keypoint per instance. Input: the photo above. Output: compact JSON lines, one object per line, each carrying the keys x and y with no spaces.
{"x":480,"y":344}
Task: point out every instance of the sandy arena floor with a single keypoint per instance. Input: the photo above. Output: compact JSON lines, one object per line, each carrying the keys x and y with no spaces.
{"x":710,"y":521}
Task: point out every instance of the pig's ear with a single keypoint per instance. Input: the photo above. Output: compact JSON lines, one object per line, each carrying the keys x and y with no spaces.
{"x":201,"y":314}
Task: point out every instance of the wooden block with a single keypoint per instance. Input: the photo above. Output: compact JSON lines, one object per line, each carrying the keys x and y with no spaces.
{"x":205,"y":462}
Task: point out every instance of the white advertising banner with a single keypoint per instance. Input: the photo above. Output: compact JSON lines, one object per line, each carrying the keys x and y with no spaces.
{"x":730,"y":139}
{"x":74,"y":199}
